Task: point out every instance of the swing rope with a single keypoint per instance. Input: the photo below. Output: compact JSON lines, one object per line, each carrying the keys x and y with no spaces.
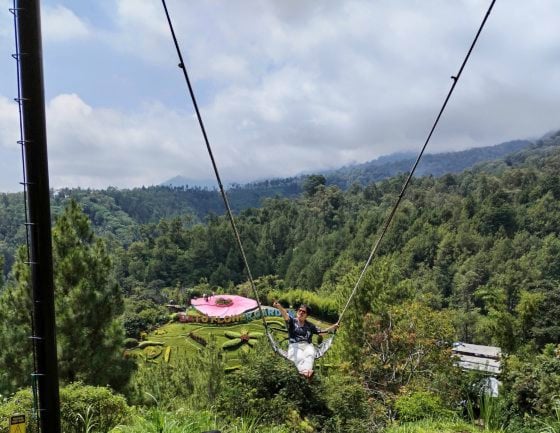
{"x":215,"y":167}
{"x":388,"y":220}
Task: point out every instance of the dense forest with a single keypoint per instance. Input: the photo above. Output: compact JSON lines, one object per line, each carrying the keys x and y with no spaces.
{"x":471,"y":256}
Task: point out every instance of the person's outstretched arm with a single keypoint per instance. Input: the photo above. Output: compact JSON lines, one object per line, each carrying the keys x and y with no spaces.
{"x":330,"y":329}
{"x":283,"y":311}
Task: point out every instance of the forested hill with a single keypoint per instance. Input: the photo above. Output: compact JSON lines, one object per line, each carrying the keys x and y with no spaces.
{"x":436,"y":164}
{"x":119,"y":214}
{"x":384,"y":167}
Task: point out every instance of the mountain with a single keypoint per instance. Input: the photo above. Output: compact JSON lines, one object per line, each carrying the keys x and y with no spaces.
{"x":193,"y":183}
{"x":436,"y":164}
{"x":384,"y":167}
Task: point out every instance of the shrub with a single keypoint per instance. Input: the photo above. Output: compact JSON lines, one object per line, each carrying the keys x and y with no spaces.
{"x":232,"y":334}
{"x":419,"y":405}
{"x":200,"y":340}
{"x":224,"y":302}
{"x":21,"y":402}
{"x":129,"y":343}
{"x":145,"y":344}
{"x":107,"y":408}
{"x":152,"y":352}
{"x":323,"y":308}
{"x":532,"y":383}
{"x":347,"y":399}
{"x":232,"y":343}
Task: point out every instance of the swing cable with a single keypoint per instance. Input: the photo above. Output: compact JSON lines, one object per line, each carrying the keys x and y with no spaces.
{"x":388,"y":220}
{"x":215,"y":167}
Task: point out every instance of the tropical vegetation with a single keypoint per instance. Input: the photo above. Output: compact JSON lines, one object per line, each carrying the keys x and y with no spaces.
{"x":472,"y":257}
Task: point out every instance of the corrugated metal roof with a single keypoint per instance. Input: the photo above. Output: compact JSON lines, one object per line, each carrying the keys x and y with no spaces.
{"x":477,"y":350}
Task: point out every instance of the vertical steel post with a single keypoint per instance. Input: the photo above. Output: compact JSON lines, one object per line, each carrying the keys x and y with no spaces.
{"x":32,"y":94}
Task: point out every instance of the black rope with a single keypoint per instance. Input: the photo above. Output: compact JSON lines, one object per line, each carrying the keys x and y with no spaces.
{"x":214,"y":165}
{"x":399,"y":199}
{"x":455,"y":79}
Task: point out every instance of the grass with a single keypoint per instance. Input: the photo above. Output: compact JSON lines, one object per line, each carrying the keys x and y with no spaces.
{"x":436,"y":426}
{"x":155,"y":420}
{"x":176,"y":336}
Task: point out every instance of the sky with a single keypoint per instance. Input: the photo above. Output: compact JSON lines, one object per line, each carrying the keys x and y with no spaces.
{"x":284,"y":86}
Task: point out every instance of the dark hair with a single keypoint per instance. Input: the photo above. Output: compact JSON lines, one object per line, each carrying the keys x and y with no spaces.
{"x":306,"y":308}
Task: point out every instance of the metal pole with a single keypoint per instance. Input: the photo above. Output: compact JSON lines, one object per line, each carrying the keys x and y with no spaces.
{"x":28,"y":29}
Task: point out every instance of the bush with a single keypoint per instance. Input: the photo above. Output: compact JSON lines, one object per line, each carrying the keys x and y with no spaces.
{"x":321,"y":307}
{"x":199,"y":339}
{"x":107,"y":408}
{"x":21,"y":402}
{"x":532,"y":383}
{"x":129,"y":343}
{"x":231,"y":343}
{"x":347,"y":399}
{"x":267,"y":387}
{"x":145,"y":344}
{"x":419,"y":405}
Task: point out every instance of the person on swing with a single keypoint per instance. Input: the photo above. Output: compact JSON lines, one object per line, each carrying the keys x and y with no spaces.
{"x":300,"y":331}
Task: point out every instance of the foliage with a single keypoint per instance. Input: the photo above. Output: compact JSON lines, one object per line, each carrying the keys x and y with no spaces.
{"x":532,"y":382}
{"x":419,"y":405}
{"x":16,"y":362}
{"x":470,"y":256}
{"x":238,"y":338}
{"x":488,"y":411}
{"x":130,"y":343}
{"x":269,"y":388}
{"x":435,"y":426}
{"x":157,"y":420}
{"x":106,"y":408}
{"x":194,"y":382}
{"x":348,"y":403}
{"x":552,"y":423}
{"x":99,"y":405}
{"x":198,"y":338}
{"x":88,"y":304}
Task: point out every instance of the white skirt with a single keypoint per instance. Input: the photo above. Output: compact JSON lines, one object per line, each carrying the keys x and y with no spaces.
{"x":302,"y":355}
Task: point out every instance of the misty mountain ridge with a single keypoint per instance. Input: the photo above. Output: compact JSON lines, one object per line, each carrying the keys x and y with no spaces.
{"x":386,"y":166}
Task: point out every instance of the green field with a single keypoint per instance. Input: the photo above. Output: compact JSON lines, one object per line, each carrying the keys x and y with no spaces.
{"x":176,"y":336}
{"x":175,"y":339}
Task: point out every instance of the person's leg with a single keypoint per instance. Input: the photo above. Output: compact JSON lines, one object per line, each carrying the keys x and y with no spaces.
{"x":296,"y":354}
{"x":308,"y":359}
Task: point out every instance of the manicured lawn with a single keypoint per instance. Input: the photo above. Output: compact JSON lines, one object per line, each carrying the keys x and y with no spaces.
{"x":176,"y":336}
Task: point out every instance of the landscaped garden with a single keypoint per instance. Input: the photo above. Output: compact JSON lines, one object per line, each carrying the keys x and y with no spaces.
{"x":173,"y":342}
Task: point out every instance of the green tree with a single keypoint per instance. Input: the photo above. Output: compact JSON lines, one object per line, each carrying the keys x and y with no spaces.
{"x":88,"y":304}
{"x":312,"y":183}
{"x":16,"y":363}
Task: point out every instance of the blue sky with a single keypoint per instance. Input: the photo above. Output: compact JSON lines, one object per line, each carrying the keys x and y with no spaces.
{"x":284,"y":86}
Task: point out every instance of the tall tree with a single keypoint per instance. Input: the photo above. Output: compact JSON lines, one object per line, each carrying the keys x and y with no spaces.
{"x":88,"y":303}
{"x":16,"y":357}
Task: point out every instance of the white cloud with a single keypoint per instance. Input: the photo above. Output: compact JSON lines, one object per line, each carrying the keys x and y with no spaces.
{"x":100,"y":147}
{"x":60,"y":24}
{"x":290,"y":86}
